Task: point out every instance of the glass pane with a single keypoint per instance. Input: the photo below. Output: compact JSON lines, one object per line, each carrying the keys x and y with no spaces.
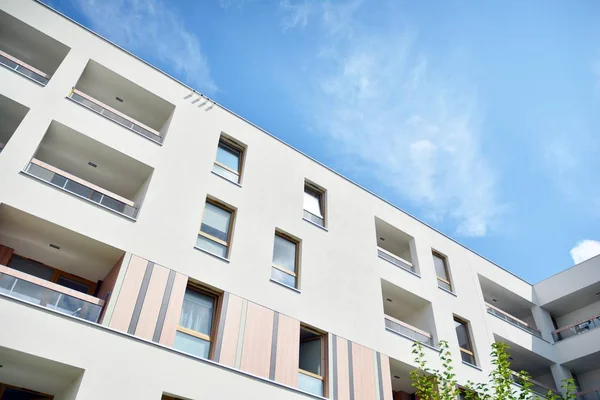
{"x":197,"y":312}
{"x":284,"y":253}
{"x":211,"y":247}
{"x":440,"y":267}
{"x":32,"y":75}
{"x":310,"y":356}
{"x":86,"y":102}
{"x":282,"y":277}
{"x":444,"y":285}
{"x":73,"y":284}
{"x":225,"y":173}
{"x":31,"y":267}
{"x":215,"y":221}
{"x":229,"y":157}
{"x":97,"y":197}
{"x":191,"y":344}
{"x":8,"y":63}
{"x":112,"y":204}
{"x":40,"y":172}
{"x":310,"y":384}
{"x":466,"y":357}
{"x":463,"y":335}
{"x":79,"y":189}
{"x":117,"y":118}
{"x":312,"y":202}
{"x":59,"y":180}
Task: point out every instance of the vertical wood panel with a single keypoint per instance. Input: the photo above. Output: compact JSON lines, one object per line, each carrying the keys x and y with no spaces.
{"x":256,"y":353}
{"x":128,"y":294}
{"x":5,"y":254}
{"x":231,"y":330}
{"x":343,"y":370}
{"x":288,"y":351}
{"x":167,"y":336}
{"x":364,"y":373}
{"x":386,"y":377}
{"x":153,"y":300}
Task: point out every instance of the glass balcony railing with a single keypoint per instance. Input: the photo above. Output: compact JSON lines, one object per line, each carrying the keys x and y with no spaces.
{"x":394,"y":259}
{"x":512,"y":320}
{"x":20,"y":67}
{"x":310,"y":383}
{"x":576,"y":329}
{"x":81,"y":188}
{"x":404,"y":329}
{"x":114,"y":115}
{"x":313,"y":218}
{"x":50,"y":295}
{"x":536,"y":387}
{"x":593,"y":394}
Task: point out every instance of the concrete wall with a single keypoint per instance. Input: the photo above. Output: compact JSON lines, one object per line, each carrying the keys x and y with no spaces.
{"x":590,"y":380}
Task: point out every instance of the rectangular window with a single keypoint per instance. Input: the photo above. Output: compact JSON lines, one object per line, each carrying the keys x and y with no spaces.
{"x":464,"y":341}
{"x":215,"y":230}
{"x":195,"y":331}
{"x":314,"y":204}
{"x":285,"y":260}
{"x":229,"y":160}
{"x":441,"y":270}
{"x":311,"y":366}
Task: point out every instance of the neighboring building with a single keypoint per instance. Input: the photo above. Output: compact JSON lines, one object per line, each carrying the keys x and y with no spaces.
{"x":153,"y":243}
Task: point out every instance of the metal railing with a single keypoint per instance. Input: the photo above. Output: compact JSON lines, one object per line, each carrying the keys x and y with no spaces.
{"x":22,"y":68}
{"x":536,"y":387}
{"x":114,"y":115}
{"x":576,"y":329}
{"x":313,"y":218}
{"x":512,"y":320}
{"x":593,"y":394}
{"x":404,"y":329}
{"x":394,"y":259}
{"x":34,"y":290}
{"x":66,"y":182}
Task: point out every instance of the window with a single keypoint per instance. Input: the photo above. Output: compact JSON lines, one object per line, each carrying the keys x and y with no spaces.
{"x":285,"y":260}
{"x":464,"y":341}
{"x":195,"y":331}
{"x":229,"y":160}
{"x":314,"y":204}
{"x":441,"y":270}
{"x":311,"y":366}
{"x":215,"y":231}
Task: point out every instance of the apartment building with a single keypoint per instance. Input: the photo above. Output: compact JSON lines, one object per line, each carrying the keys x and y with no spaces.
{"x":154,"y":245}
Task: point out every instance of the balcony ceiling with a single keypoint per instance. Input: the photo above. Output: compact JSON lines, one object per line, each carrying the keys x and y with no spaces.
{"x":396,"y":241}
{"x":31,"y":237}
{"x":574,"y":301}
{"x":506,"y":300}
{"x":11,"y":115}
{"x":402,"y":372}
{"x":404,"y":304}
{"x":524,"y":359}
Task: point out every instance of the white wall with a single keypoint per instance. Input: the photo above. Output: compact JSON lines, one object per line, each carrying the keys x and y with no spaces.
{"x":590,"y":380}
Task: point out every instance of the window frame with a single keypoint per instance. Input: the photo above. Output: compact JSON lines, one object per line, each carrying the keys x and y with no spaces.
{"x":324,"y":356}
{"x":296,"y":273}
{"x":231,"y":145}
{"x":217,"y":298}
{"x":321,"y":193}
{"x":444,"y":259}
{"x":467,"y":327}
{"x":208,"y":236}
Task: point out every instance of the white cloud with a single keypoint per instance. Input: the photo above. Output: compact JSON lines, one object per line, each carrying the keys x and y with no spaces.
{"x":152,"y":30}
{"x":584,"y":250}
{"x":393,"y":116}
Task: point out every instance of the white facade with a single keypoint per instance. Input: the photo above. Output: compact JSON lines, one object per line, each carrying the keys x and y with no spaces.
{"x":343,"y":285}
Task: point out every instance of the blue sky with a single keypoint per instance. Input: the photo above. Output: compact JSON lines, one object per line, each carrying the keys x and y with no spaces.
{"x":480,"y":118}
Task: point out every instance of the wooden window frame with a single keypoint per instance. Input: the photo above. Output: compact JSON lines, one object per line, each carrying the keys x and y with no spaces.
{"x":469,"y":339}
{"x":218,"y":300}
{"x":232,"y":145}
{"x":227,"y":208}
{"x":44,"y":396}
{"x":296,"y":242}
{"x":317,"y":190}
{"x":324,"y":357}
{"x":444,"y":259}
{"x":57,"y":273}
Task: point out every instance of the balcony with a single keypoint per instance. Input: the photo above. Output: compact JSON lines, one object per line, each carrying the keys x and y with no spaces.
{"x":27,"y":51}
{"x":536,"y":387}
{"x":89,"y":170}
{"x":575,"y":329}
{"x":593,"y":394}
{"x":11,"y":115}
{"x":407,"y":315}
{"x":123,"y":102}
{"x":395,"y":246}
{"x":512,"y":320}
{"x":44,"y":264}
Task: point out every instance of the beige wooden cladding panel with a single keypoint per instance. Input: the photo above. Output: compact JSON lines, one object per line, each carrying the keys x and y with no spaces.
{"x":256,"y":351}
{"x":386,"y":378}
{"x":365,"y":387}
{"x":128,"y":294}
{"x":152,"y":302}
{"x":5,"y":254}
{"x":231,"y":330}
{"x":288,"y":351}
{"x":169,"y":328}
{"x":343,"y":370}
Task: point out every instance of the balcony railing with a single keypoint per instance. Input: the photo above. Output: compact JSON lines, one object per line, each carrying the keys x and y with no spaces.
{"x":313,"y":218}
{"x":114,"y":115}
{"x":513,"y":320}
{"x":394,"y":259}
{"x":50,"y":295}
{"x":310,"y":382}
{"x":402,"y":328}
{"x":536,"y":387}
{"x":593,"y":394}
{"x":81,"y":188}
{"x":24,"y":69}
{"x":576,"y":329}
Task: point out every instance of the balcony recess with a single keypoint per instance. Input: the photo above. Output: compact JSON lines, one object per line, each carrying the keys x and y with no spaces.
{"x":395,"y":246}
